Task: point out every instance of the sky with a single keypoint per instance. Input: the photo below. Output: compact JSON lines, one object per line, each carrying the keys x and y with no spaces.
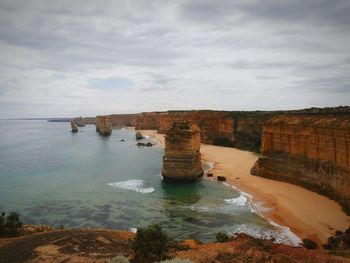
{"x":68,"y":58}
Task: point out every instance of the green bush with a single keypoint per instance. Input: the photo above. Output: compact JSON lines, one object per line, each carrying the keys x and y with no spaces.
{"x":150,"y":241}
{"x":10,"y":225}
{"x":221,"y":237}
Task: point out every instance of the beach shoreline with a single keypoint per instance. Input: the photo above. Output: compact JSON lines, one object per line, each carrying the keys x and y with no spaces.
{"x":305,"y":213}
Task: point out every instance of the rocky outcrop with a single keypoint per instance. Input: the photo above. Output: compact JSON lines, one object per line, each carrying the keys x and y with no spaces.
{"x":182,"y":158}
{"x":103,"y":125}
{"x":311,"y":150}
{"x":74,"y":127}
{"x":139,"y":136}
{"x":79,"y":122}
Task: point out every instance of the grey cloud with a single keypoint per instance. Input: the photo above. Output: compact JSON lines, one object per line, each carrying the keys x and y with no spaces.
{"x":219,"y":51}
{"x":337,"y":84}
{"x":322,"y":12}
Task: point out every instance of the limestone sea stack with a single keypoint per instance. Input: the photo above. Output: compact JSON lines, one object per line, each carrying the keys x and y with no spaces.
{"x":182,"y":158}
{"x":74,"y":127}
{"x":103,"y":125}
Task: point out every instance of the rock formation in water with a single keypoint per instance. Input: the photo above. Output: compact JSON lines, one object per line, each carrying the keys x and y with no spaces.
{"x":139,"y":136}
{"x":103,"y":125}
{"x":79,"y":122}
{"x":309,"y":150}
{"x":182,"y":158}
{"x":74,"y":127}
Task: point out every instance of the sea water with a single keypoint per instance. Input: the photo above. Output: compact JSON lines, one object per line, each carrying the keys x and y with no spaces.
{"x":52,"y":176}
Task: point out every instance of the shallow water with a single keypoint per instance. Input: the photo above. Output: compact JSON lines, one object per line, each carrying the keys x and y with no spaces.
{"x":51,"y":176}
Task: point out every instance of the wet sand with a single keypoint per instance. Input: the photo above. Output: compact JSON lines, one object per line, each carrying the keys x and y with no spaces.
{"x":307,"y":214}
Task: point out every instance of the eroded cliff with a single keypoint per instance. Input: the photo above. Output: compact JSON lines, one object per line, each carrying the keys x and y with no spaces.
{"x":311,"y":150}
{"x":182,"y":158}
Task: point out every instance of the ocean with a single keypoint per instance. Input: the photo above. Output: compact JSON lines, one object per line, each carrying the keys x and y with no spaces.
{"x":52,"y":176}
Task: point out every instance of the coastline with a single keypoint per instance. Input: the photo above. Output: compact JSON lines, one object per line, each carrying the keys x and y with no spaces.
{"x":307,"y":214}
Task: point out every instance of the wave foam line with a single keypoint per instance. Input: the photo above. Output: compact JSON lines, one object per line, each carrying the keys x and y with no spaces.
{"x":133,"y":185}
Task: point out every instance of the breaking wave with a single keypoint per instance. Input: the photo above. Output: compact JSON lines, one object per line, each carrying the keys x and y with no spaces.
{"x":238,"y":201}
{"x":134,"y":185}
{"x":280,"y":234}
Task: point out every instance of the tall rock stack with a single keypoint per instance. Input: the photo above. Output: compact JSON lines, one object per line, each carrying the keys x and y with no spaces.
{"x":103,"y":125}
{"x":182,"y":158}
{"x":74,"y":127}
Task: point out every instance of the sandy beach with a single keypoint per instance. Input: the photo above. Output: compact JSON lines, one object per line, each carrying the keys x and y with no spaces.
{"x":307,"y":214}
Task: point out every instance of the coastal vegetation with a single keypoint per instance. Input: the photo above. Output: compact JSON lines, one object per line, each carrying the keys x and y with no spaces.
{"x":150,"y":242}
{"x":222,"y":237}
{"x":10,"y":225}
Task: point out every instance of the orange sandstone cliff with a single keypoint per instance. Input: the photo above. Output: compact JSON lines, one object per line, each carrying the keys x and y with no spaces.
{"x":216,"y":127}
{"x":309,"y":150}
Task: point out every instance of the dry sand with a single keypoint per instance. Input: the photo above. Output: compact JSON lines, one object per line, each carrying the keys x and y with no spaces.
{"x":307,"y":214}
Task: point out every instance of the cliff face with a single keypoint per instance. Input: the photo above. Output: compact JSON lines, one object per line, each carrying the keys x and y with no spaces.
{"x":122,"y":120}
{"x":103,"y":125}
{"x":241,"y":129}
{"x":216,"y":127}
{"x":147,"y":121}
{"x":182,"y":158}
{"x":309,"y":150}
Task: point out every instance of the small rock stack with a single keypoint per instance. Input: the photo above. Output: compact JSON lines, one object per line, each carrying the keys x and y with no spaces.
{"x":103,"y":125}
{"x":73,"y":126}
{"x":182,"y":157}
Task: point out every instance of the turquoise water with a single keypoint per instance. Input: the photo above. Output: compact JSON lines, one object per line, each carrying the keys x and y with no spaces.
{"x":52,"y":176}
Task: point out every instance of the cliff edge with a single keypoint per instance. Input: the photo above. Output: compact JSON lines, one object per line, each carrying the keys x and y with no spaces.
{"x":312,"y":151}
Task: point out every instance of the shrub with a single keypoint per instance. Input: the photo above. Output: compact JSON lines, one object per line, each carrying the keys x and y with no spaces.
{"x":150,"y":241}
{"x":10,"y":225}
{"x":221,"y":237}
{"x":346,"y":239}
{"x":309,"y":244}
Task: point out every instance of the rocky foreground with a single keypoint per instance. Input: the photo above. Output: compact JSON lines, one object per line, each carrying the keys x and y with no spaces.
{"x":47,"y":244}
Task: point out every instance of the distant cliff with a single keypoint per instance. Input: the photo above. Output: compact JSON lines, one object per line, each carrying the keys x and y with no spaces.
{"x":240,"y":129}
{"x":117,"y":120}
{"x":311,"y":150}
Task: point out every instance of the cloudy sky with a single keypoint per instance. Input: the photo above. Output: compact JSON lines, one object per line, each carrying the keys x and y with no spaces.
{"x":89,"y":57}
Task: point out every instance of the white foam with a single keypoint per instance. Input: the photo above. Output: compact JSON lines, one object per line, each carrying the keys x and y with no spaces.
{"x":133,"y":230}
{"x":134,"y":185}
{"x":238,"y":201}
{"x":280,"y":234}
{"x":285,"y":231}
{"x":210,"y":166}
